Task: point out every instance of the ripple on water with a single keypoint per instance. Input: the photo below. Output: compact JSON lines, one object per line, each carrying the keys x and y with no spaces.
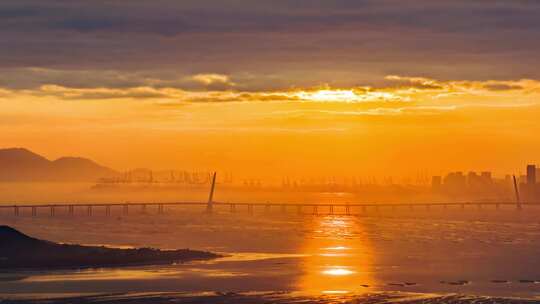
{"x":268,"y":298}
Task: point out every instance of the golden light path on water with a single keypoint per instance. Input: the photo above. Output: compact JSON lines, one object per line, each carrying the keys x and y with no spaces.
{"x":339,"y":260}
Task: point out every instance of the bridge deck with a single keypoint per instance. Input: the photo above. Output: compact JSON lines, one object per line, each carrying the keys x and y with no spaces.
{"x":331,"y":208}
{"x":442,"y":204}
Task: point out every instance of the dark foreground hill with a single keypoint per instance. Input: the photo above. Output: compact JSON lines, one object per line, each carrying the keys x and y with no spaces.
{"x":22,"y":165}
{"x":18,"y":250}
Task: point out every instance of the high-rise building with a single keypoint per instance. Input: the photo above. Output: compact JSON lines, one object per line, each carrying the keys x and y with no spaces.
{"x":531,"y":174}
{"x":455,"y":181}
{"x":486,"y":178}
{"x":472,"y":179}
{"x":486,"y":175}
{"x":436,"y":182}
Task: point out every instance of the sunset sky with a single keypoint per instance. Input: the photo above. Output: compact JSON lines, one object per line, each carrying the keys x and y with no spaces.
{"x":275,"y":88}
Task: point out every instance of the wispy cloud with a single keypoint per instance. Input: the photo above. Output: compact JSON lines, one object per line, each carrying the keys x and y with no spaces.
{"x":399,"y":95}
{"x":211,"y":79}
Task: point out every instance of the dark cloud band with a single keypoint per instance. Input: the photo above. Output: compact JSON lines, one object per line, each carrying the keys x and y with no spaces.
{"x":297,"y":42}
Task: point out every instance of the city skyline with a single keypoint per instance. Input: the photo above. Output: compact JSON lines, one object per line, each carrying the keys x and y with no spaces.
{"x":178,"y":173}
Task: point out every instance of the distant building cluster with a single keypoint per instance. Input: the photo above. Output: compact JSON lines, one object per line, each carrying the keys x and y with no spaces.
{"x":484,"y":185}
{"x":146,"y":176}
{"x":473,"y":186}
{"x":458,"y":181}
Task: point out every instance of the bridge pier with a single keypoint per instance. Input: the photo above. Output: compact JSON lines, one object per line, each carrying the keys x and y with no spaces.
{"x":160,"y":209}
{"x":16,"y":210}
{"x":89,"y":210}
{"x":315,"y":210}
{"x":347,"y":210}
{"x":71,"y":210}
{"x":34,"y":211}
{"x":331,"y":209}
{"x":52,"y":210}
{"x":107,"y":210}
{"x":125,"y":209}
{"x":250,"y":209}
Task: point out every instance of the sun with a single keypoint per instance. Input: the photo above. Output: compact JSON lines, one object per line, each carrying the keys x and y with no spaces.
{"x":350,"y":95}
{"x":337,"y":95}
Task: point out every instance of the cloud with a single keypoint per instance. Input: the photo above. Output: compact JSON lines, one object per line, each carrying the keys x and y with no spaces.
{"x":327,"y":94}
{"x":296,"y":41}
{"x":102,"y":93}
{"x":416,"y":82}
{"x":460,"y":87}
{"x":502,"y":87}
{"x":35,"y":77}
{"x":213,"y":79}
{"x":5,"y":93}
{"x":399,"y":94}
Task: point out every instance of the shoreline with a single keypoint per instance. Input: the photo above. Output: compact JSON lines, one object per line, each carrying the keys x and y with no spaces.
{"x":22,"y":252}
{"x":280,"y":297}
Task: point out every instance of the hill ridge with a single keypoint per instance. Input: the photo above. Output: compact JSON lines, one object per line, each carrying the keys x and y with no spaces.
{"x":23,"y":165}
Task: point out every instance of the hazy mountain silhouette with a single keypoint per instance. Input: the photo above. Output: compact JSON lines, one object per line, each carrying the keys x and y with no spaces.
{"x":18,"y":250}
{"x":19,"y":165}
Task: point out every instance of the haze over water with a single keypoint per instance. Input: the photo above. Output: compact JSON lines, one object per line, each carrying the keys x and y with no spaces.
{"x":478,"y":252}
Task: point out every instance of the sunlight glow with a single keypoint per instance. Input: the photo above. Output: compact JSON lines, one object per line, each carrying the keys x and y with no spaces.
{"x":347,"y":95}
{"x":329,"y":95}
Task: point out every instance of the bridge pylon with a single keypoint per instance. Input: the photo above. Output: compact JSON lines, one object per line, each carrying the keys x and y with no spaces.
{"x":210,"y":204}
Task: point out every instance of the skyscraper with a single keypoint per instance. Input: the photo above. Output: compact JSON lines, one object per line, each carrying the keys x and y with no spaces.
{"x":531,"y":174}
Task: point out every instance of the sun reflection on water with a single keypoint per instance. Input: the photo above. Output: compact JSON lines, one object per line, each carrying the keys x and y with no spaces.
{"x":339,"y":259}
{"x":337,"y":248}
{"x":337,"y":271}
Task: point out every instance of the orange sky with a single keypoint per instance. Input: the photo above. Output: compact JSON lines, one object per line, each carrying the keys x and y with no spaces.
{"x":274,"y":88}
{"x":411,"y":125}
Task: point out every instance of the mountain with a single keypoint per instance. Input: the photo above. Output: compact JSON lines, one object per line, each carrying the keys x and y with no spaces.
{"x":18,"y":250}
{"x":22,"y":165}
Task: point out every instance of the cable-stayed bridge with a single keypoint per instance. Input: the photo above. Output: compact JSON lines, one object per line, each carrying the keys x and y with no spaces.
{"x":210,"y":206}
